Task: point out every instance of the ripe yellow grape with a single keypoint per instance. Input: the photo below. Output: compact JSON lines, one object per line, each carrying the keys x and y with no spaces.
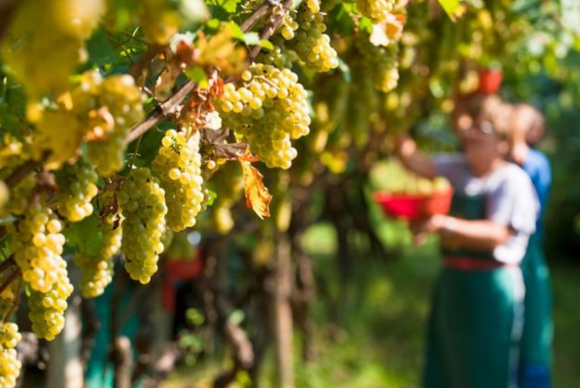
{"x":159,"y":21}
{"x":45,"y":42}
{"x":376,"y":10}
{"x":97,"y":271}
{"x":47,"y":308}
{"x":38,"y":244}
{"x":77,"y":187}
{"x":119,"y":97}
{"x":178,"y":164}
{"x":381,"y":62}
{"x":309,"y":40}
{"x":142,"y":203}
{"x":268,"y":111}
{"x":9,"y":364}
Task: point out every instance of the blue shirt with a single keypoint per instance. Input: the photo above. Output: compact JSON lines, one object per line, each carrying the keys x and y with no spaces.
{"x":538,"y":168}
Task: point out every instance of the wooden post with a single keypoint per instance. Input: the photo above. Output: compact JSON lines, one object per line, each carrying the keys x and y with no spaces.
{"x":65,"y":369}
{"x":282,"y":311}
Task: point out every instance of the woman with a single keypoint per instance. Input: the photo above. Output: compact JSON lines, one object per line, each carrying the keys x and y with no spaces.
{"x":527,"y":123}
{"x":476,"y":321}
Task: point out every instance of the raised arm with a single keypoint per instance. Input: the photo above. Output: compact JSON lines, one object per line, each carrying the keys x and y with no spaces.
{"x":413,"y":159}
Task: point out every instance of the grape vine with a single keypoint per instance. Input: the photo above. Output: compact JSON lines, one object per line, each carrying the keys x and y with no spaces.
{"x":86,"y":107}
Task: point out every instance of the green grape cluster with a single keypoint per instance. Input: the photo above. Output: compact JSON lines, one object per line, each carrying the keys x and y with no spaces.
{"x":13,"y":153}
{"x":159,"y":21}
{"x":280,"y":56}
{"x":115,"y":106}
{"x":178,"y":164}
{"x":381,"y":62}
{"x":9,"y":364}
{"x":269,"y":110}
{"x":38,"y":244}
{"x":47,"y":308}
{"x":99,"y":111}
{"x":142,"y":203}
{"x":19,"y":195}
{"x":309,"y":40}
{"x":77,"y":187}
{"x":45,"y":42}
{"x":97,"y":271}
{"x":376,"y":10}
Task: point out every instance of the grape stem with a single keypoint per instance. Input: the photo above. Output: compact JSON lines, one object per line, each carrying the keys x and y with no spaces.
{"x":169,"y":106}
{"x":136,"y":151}
{"x":21,"y":172}
{"x":16,"y":303}
{"x":7,"y":263}
{"x":260,"y":12}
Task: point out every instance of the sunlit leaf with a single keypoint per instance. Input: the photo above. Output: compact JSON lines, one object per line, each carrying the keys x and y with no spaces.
{"x":257,"y":196}
{"x":453,"y":8}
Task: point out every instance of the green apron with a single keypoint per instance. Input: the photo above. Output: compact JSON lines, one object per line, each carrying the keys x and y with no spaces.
{"x":476,"y":321}
{"x":538,"y":326}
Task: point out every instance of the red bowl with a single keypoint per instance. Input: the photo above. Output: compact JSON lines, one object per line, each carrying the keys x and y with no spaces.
{"x":411,"y":207}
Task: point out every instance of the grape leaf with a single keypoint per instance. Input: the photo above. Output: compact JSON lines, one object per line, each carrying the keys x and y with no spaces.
{"x":453,"y":8}
{"x":85,"y":235}
{"x":100,"y":50}
{"x":257,"y":196}
{"x":253,"y":39}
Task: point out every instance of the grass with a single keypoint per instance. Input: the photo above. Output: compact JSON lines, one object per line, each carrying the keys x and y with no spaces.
{"x":379,"y":343}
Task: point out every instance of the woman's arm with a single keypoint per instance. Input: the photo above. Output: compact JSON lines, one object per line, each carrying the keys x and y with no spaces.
{"x":480,"y":235}
{"x":414,"y":160}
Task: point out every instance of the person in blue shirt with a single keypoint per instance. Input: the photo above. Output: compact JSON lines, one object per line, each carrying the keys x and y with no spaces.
{"x":527,"y":128}
{"x":474,"y":330}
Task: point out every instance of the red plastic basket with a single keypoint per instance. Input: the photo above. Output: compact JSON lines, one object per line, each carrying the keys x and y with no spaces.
{"x":411,"y":207}
{"x":489,"y":81}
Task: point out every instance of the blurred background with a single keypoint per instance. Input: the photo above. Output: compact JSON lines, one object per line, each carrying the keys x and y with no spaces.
{"x":328,"y":291}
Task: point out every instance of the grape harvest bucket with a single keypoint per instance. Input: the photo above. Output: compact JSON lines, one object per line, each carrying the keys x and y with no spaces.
{"x":412,"y":207}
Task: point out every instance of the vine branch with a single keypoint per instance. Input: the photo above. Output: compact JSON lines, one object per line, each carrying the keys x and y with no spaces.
{"x":269,"y":30}
{"x":7,"y":263}
{"x":21,"y":172}
{"x":171,"y":105}
{"x":255,"y":17}
{"x":9,"y":280}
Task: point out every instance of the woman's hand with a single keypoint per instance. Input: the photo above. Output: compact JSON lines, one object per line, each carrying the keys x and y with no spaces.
{"x":414,"y":160}
{"x":438,"y":223}
{"x":421,"y":228}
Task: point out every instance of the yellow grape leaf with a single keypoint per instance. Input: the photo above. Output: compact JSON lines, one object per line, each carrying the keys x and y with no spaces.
{"x":453,"y":8}
{"x":257,"y":196}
